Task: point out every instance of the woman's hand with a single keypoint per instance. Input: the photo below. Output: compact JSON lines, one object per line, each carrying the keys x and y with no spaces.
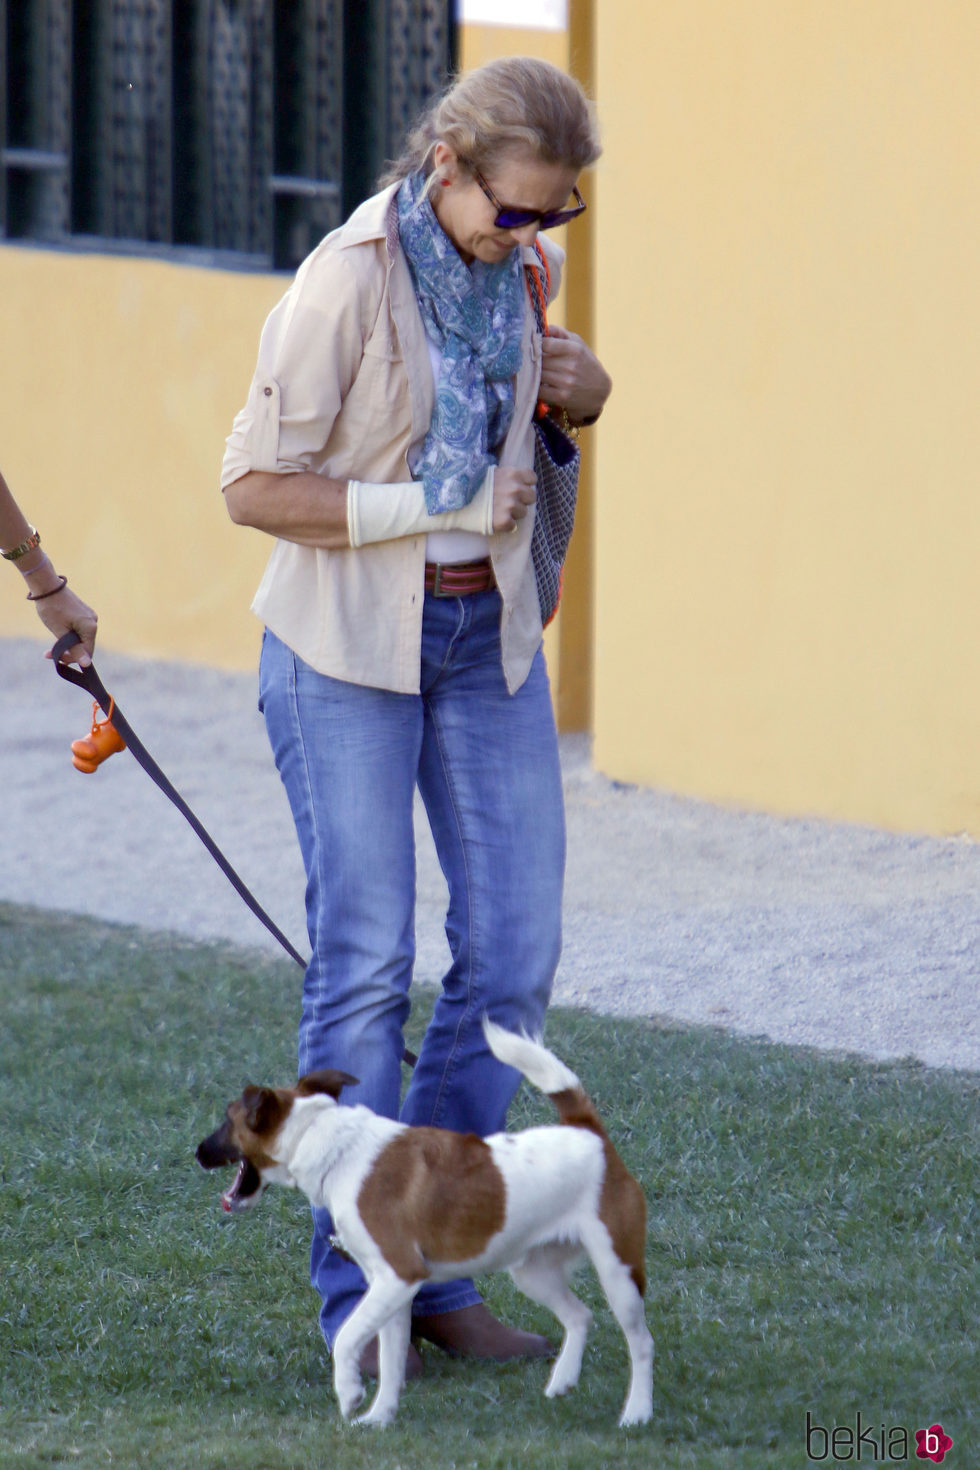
{"x":572,"y":377}
{"x":514,"y":492}
{"x":63,"y":613}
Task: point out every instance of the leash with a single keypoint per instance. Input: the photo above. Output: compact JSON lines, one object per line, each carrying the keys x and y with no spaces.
{"x":106,"y":738}
{"x":89,"y":680}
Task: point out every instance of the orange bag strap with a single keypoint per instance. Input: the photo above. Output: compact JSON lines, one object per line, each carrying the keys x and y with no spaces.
{"x":539,"y":295}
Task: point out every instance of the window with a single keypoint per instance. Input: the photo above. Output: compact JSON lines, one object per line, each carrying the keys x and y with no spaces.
{"x":241,"y":128}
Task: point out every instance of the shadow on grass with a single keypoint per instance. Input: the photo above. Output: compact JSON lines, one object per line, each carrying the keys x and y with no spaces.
{"x":812,"y":1242}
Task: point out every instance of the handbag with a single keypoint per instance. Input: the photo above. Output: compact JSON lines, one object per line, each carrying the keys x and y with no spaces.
{"x":557,"y":460}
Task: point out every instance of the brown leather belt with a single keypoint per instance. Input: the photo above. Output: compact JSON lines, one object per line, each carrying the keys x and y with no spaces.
{"x":459,"y":579}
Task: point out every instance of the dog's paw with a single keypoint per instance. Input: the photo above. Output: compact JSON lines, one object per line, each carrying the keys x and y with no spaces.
{"x":375,"y":1418}
{"x":565,"y":1373}
{"x":560,"y":1384}
{"x":350,"y":1393}
{"x":634,"y":1414}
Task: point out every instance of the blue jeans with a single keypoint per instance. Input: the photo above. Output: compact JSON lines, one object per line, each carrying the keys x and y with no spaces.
{"x":486,"y":765}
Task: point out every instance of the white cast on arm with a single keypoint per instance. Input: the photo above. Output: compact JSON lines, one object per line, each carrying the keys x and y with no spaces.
{"x":386,"y":512}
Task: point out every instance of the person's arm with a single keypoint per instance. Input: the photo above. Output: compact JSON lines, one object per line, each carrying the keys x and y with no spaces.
{"x":572,"y":377}
{"x":313,"y":510}
{"x":14,"y":528}
{"x":313,"y":343}
{"x":57,"y":606}
{"x":306,"y":508}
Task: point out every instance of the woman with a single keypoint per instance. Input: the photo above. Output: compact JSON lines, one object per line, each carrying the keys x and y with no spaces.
{"x":57,"y":606}
{"x":387,"y":445}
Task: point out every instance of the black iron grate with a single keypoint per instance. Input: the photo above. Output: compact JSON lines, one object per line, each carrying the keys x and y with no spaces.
{"x":245,"y":127}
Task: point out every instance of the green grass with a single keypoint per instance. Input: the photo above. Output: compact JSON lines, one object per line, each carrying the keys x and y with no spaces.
{"x":812,"y":1244}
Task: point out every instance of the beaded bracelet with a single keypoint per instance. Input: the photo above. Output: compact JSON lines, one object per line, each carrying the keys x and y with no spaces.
{"x":40,"y":596}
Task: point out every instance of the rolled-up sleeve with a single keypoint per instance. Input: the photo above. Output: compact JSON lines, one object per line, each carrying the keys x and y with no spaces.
{"x":309,"y":353}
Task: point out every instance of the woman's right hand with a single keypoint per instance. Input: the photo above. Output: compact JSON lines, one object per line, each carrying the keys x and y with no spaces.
{"x":514,"y":492}
{"x":63,"y":613}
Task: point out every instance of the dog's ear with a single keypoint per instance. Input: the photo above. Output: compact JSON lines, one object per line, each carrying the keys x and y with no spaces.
{"x":327,"y":1080}
{"x":264,"y":1109}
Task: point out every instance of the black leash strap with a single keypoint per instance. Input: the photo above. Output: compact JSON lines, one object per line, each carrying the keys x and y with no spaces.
{"x":89,"y":680}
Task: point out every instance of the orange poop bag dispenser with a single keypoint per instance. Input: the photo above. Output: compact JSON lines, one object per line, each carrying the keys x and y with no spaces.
{"x":103,"y":740}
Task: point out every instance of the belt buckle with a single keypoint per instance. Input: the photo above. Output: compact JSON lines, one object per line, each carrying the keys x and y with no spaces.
{"x":437,"y":582}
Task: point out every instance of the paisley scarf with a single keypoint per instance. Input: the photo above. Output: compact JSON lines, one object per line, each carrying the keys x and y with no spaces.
{"x":474,"y":315}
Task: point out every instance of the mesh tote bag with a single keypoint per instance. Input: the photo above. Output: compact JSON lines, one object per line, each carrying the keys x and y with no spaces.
{"x":556,"y":466}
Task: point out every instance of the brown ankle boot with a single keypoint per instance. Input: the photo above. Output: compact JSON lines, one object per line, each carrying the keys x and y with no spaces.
{"x":471,"y":1332}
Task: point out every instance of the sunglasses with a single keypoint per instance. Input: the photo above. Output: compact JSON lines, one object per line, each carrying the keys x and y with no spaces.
{"x":515,"y":219}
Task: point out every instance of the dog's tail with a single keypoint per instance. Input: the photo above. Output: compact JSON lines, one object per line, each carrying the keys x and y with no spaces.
{"x":545,"y":1072}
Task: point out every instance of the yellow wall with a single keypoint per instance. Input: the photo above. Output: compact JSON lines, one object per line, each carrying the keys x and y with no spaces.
{"x":479,"y":44}
{"x":788,"y":529}
{"x":787,"y":536}
{"x":119,"y":379}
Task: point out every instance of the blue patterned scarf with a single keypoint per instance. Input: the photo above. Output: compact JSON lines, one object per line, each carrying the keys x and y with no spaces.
{"x":474,"y":315}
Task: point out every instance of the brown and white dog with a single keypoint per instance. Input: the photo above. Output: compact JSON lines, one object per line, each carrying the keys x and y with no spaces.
{"x":425,"y":1204}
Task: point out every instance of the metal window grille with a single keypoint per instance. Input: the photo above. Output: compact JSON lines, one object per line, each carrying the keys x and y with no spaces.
{"x":242,"y":128}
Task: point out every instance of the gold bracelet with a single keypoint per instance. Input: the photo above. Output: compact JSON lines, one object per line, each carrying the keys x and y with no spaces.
{"x":32,"y":542}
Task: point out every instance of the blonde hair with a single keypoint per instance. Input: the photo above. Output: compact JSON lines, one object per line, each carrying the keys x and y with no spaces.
{"x":517,"y":104}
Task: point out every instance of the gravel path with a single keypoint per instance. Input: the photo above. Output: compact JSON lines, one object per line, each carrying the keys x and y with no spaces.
{"x":806,"y":932}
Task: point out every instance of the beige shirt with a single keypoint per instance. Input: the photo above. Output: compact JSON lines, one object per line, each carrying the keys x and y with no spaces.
{"x":344,"y":387}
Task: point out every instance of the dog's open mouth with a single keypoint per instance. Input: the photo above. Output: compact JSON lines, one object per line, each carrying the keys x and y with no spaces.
{"x":245,"y":1189}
